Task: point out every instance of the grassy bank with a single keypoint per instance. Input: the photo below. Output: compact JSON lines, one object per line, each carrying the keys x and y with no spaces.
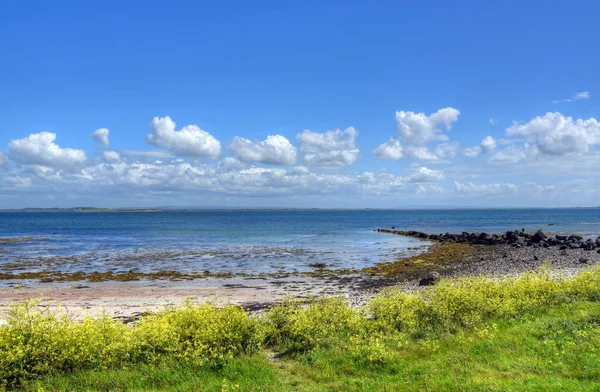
{"x":527,"y":333}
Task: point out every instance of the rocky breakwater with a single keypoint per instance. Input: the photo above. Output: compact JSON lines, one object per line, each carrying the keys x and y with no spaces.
{"x":516,"y":239}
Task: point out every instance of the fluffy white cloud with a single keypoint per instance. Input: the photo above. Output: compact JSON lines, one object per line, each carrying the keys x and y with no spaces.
{"x":555,"y":134}
{"x":392,"y":149}
{"x":275,"y":149}
{"x":485,"y":189}
{"x":419,"y":129}
{"x":423,"y":174}
{"x":111,"y":156}
{"x":40,"y":149}
{"x":189,"y":141}
{"x":332,"y":148}
{"x":493,"y":121}
{"x":575,"y":97}
{"x":416,"y":131}
{"x":3,"y":159}
{"x":101,"y":136}
{"x":487,"y":144}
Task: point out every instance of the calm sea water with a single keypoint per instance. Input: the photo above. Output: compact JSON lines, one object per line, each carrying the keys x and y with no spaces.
{"x":249,"y":241}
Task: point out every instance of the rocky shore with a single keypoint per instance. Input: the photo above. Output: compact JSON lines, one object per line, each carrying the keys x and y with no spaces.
{"x":517,"y":239}
{"x":509,"y":253}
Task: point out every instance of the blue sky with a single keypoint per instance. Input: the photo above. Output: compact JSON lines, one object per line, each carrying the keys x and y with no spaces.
{"x":256,"y":69}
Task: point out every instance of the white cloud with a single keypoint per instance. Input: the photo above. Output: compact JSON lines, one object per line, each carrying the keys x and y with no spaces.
{"x":485,"y":189}
{"x":275,"y":149}
{"x":581,"y":95}
{"x":446,"y":150}
{"x":419,"y":129}
{"x":3,"y":159}
{"x":40,"y":149}
{"x":332,"y":158}
{"x":147,"y":155}
{"x":299,"y":170}
{"x":332,"y":148}
{"x":555,"y":134}
{"x":392,"y":149}
{"x":415,"y":131}
{"x":189,"y":141}
{"x":514,"y":154}
{"x":102,"y":136}
{"x":493,"y":121}
{"x":111,"y":156}
{"x":487,"y":144}
{"x":423,"y":174}
{"x":575,"y":97}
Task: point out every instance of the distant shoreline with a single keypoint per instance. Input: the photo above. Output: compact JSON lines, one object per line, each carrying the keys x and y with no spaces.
{"x":178,"y":209}
{"x":84,"y":210}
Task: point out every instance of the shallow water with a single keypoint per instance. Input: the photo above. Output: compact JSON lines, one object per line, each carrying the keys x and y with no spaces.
{"x":249,"y":241}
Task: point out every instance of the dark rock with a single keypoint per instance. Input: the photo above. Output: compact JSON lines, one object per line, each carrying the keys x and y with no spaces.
{"x":552,"y":241}
{"x":429,"y":279}
{"x":511,"y":237}
{"x":563,"y":247}
{"x":588,"y":245}
{"x":564,"y":253}
{"x":561,"y":237}
{"x":575,"y":238}
{"x":539,"y":236}
{"x":535,"y":257}
{"x":584,"y":260}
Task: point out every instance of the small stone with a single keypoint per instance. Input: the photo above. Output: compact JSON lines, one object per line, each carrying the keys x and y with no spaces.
{"x":430,"y":279}
{"x":584,"y":260}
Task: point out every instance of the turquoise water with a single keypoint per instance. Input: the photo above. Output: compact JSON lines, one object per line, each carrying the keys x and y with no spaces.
{"x":250,"y":241}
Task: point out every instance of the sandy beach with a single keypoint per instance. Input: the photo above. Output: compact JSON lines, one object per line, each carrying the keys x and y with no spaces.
{"x":128,"y":300}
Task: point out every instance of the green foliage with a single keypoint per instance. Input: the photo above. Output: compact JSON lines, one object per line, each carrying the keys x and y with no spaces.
{"x":467,"y":302}
{"x":38,"y":342}
{"x":296,"y":327}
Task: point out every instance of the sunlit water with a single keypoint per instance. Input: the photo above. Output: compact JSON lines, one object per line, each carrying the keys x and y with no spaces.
{"x":242,"y":241}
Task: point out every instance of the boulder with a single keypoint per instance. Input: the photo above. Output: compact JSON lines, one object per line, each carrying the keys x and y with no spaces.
{"x":538,"y":237}
{"x":430,"y":279}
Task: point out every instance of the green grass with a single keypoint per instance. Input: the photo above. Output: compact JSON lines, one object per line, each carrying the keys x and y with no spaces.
{"x":556,"y":350}
{"x":528,"y":333}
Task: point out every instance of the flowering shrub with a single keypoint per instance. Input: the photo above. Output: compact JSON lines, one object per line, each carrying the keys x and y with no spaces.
{"x":38,"y":342}
{"x":293,"y":326}
{"x":467,"y":302}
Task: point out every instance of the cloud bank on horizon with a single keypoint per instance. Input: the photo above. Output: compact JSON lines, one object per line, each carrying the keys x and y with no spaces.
{"x":549,"y":160}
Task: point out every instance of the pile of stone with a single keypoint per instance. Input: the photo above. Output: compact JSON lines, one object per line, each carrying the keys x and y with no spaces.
{"x":515,"y":238}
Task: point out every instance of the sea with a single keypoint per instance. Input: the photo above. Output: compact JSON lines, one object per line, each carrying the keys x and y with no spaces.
{"x":248,"y":241}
